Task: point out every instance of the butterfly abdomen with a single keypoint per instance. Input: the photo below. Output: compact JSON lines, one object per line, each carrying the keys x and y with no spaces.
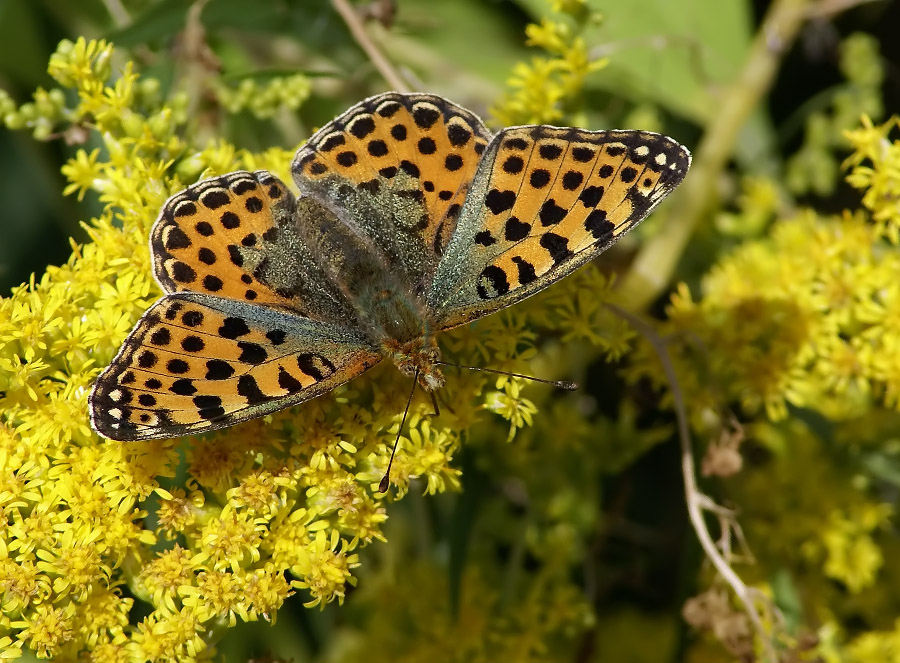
{"x":390,"y":311}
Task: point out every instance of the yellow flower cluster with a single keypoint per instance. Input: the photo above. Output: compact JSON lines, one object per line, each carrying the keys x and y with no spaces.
{"x":806,"y":317}
{"x":800,"y":329}
{"x":264,"y":99}
{"x":259,"y":511}
{"x":876,"y":170}
{"x":410,"y":619}
{"x":881,"y":646}
{"x":542,"y":89}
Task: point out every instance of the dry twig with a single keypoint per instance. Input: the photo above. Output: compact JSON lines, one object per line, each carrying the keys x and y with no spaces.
{"x":358,"y":30}
{"x":697,"y":502}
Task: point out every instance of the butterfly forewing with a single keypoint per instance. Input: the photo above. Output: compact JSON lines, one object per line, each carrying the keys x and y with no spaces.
{"x":545,"y":201}
{"x":397,"y":167}
{"x":237,"y":236}
{"x":195,"y":363}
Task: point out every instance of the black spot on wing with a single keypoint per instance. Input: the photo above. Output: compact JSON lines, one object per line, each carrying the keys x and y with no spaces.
{"x":628,"y":174}
{"x":513,"y":165}
{"x":425,"y":116}
{"x":514,"y":230}
{"x":557,"y":246}
{"x":161,"y":336}
{"x":217,"y":369}
{"x":591,"y":195}
{"x":484,"y":238}
{"x":540,"y":178}
{"x":215,"y":198}
{"x":500,"y":201}
{"x":288,"y":382}
{"x":362,"y":127}
{"x":583,"y":154}
{"x":176,"y":239}
{"x":493,"y":282}
{"x":183,"y":387}
{"x":526,"y":273}
{"x":458,"y":135}
{"x":572,"y":180}
{"x":598,"y":225}
{"x":251,"y":353}
{"x":233,"y":328}
{"x":551,"y":213}
{"x":249,"y":389}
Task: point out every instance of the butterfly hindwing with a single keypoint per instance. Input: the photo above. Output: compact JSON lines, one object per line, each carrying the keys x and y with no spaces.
{"x":239,"y":236}
{"x":545,"y":200}
{"x":195,"y":363}
{"x":396,"y":167}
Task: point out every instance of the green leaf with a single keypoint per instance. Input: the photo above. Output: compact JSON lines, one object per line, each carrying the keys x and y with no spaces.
{"x":674,"y":54}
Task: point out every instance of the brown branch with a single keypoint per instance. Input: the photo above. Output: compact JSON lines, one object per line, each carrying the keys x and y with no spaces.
{"x":697,"y":502}
{"x":358,"y":30}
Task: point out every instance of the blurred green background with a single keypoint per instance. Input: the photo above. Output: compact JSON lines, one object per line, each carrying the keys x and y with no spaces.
{"x":666,"y":61}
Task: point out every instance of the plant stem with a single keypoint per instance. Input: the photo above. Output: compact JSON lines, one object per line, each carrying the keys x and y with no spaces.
{"x":358,"y":30}
{"x":697,"y":502}
{"x":652,"y":270}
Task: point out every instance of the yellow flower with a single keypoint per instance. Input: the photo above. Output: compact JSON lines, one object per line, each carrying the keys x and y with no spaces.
{"x":81,"y":63}
{"x":851,"y":555}
{"x":263,"y":592}
{"x":102,"y":617}
{"x":510,"y":405}
{"x":9,"y":651}
{"x":324,"y":567}
{"x":231,"y":540}
{"x":163,"y":577}
{"x":179,"y":513}
{"x":881,"y":646}
{"x":23,"y":585}
{"x":74,"y":565}
{"x":881,"y":178}
{"x":170,"y":637}
{"x":82,"y":172}
{"x":543,"y":89}
{"x":48,"y":628}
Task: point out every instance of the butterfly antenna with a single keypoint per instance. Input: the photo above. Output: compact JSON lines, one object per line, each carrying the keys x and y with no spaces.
{"x":560,"y":384}
{"x":386,"y":479}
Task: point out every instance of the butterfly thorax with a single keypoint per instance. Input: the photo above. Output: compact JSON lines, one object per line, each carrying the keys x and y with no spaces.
{"x":399,"y":325}
{"x":417,"y":357}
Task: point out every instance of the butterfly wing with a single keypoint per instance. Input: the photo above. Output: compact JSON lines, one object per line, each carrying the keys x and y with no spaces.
{"x":195,"y":363}
{"x":545,"y":200}
{"x":244,"y":236}
{"x":396,"y":168}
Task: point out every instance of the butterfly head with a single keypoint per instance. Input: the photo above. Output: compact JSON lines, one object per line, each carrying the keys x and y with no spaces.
{"x":418,"y":357}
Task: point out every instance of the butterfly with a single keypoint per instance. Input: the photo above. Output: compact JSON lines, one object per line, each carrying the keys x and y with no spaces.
{"x":412,"y":219}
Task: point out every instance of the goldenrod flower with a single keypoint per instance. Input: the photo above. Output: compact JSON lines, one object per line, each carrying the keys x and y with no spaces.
{"x":289,"y":495}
